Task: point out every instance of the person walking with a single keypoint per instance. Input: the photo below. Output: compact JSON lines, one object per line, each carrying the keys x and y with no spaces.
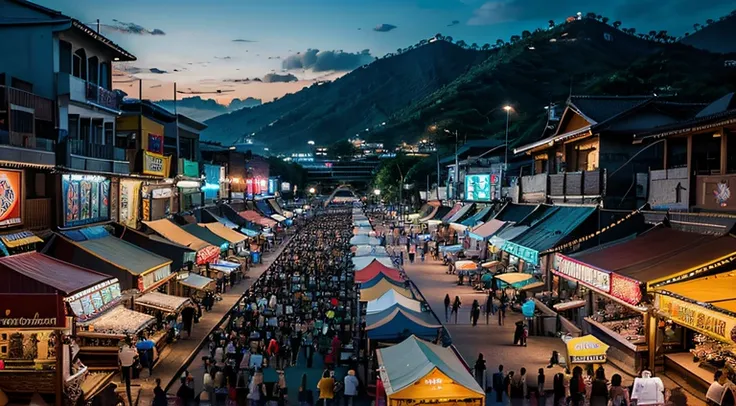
{"x":577,"y":387}
{"x":519,"y":333}
{"x":558,"y":389}
{"x":599,"y":389}
{"x":350,"y":387}
{"x":127,"y":357}
{"x":498,"y":384}
{"x":489,"y":307}
{"x":618,"y":394}
{"x":541,"y":394}
{"x":448,"y":302}
{"x":455,"y":307}
{"x":501,"y":313}
{"x":480,"y":370}
{"x":326,"y":387}
{"x":159,"y":395}
{"x":187,"y":319}
{"x":476,"y":313}
{"x":412,"y":252}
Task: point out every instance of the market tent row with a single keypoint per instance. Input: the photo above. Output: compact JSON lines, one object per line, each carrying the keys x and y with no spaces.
{"x":446,"y":218}
{"x":179,"y":254}
{"x":418,"y":371}
{"x":427,"y":210}
{"x":455,"y":221}
{"x":362,"y":223}
{"x":246,"y":227}
{"x":205,"y":252}
{"x":369,"y":250}
{"x":396,"y":323}
{"x":207,"y":236}
{"x":254,"y":217}
{"x":478,"y":217}
{"x":378,"y":278}
{"x":226,"y":233}
{"x":391,"y":298}
{"x":362,"y":262}
{"x":95,"y":248}
{"x":277,"y":208}
{"x":478,"y":237}
{"x":363,"y":231}
{"x":374,"y":268}
{"x":364,"y":240}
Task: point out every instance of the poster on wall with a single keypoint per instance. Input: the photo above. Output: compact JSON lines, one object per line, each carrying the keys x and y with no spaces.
{"x":212,"y":181}
{"x":478,"y":188}
{"x":86,"y":199}
{"x":146,"y":210}
{"x":155,"y":143}
{"x":11,"y":197}
{"x":129,"y":198}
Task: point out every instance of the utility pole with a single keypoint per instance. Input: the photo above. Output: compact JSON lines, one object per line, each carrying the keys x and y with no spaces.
{"x":437,"y":152}
{"x":401,"y":194}
{"x":98,"y":25}
{"x":457,"y":170}
{"x":176,"y":113}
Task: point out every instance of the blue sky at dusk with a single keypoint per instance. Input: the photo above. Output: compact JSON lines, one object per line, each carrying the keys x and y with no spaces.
{"x":199,"y":35}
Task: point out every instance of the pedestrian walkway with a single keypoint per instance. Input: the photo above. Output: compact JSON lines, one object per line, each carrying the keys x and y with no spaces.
{"x":177,"y":356}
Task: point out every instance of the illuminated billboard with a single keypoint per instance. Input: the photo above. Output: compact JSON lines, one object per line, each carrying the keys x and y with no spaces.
{"x":478,"y":188}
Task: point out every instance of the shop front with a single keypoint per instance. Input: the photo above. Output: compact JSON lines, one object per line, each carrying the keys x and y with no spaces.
{"x":156,"y":201}
{"x":696,"y":323}
{"x":477,"y":239}
{"x":85,"y":200}
{"x":206,"y":252}
{"x":214,"y":175}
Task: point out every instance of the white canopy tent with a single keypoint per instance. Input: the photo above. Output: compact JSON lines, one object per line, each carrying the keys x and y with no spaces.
{"x":390,"y":298}
{"x":364,"y":240}
{"x":370,"y":250}
{"x":362,"y":262}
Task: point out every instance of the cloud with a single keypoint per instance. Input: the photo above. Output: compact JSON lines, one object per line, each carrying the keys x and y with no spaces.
{"x":132,"y":28}
{"x":322,"y":61}
{"x":243,"y":40}
{"x":453,"y":23}
{"x":157,"y":71}
{"x":223,"y":57}
{"x":384,"y":28}
{"x":276,"y":78}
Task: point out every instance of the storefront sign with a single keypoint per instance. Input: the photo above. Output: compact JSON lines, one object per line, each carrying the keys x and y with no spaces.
{"x":146,"y":210}
{"x":161,"y":193}
{"x":190,"y":168}
{"x":156,"y":143}
{"x":212,"y":181}
{"x":11,"y":197}
{"x":706,"y":321}
{"x":92,"y":301}
{"x":628,"y":290}
{"x":237,"y":195}
{"x":478,"y":188}
{"x":584,"y":273}
{"x":86,"y":199}
{"x":31,"y":311}
{"x":527,"y":254}
{"x":584,"y":359}
{"x":285,"y":187}
{"x":129,"y":199}
{"x":154,"y":164}
{"x":152,"y":278}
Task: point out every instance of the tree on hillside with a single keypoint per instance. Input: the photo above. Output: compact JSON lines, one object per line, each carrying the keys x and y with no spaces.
{"x":652,"y":34}
{"x":551,"y":24}
{"x":486,"y":47}
{"x":696,"y":26}
{"x":474,"y":46}
{"x":632,"y":31}
{"x":500,"y":42}
{"x":526,"y":34}
{"x":342,"y":150}
{"x":709,"y":21}
{"x":423,"y":42}
{"x":389,"y":173}
{"x":605,"y":20}
{"x":439,"y":36}
{"x":591,"y":15}
{"x":448,"y":39}
{"x":514,"y":39}
{"x":616,"y":24}
{"x":461,"y":44}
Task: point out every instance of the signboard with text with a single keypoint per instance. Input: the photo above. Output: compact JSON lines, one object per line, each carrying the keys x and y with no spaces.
{"x":42,"y":310}
{"x":714,"y":324}
{"x":583,"y":273}
{"x":527,"y":254}
{"x":154,"y":164}
{"x":478,"y":188}
{"x":11,"y":197}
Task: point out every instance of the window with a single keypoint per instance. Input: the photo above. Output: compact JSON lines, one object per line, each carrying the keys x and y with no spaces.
{"x":74,"y":127}
{"x":93,"y":63}
{"x":706,"y":154}
{"x":21,"y":84}
{"x":21,"y":120}
{"x":105,"y":75}
{"x":97,"y":133}
{"x":65,"y":57}
{"x":676,"y":152}
{"x":79,"y":69}
{"x":731,"y":145}
{"x":125,"y":139}
{"x":84,"y":128}
{"x":109,"y":131}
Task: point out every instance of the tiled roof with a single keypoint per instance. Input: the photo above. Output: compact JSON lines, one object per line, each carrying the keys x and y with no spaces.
{"x":603,"y":108}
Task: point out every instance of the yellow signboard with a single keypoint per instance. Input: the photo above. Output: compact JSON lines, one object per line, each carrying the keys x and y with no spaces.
{"x":586,"y":349}
{"x":714,"y":324}
{"x":156,"y":164}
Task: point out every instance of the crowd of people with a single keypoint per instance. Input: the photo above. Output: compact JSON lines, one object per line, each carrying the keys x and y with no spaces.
{"x":303,"y":305}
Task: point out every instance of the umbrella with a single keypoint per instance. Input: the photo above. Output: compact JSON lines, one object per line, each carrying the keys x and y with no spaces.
{"x":490,"y":264}
{"x":451,"y":248}
{"x":466,"y":266}
{"x":486,"y":278}
{"x":516,"y":279}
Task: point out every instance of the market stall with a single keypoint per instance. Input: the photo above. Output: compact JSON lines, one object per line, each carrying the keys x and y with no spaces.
{"x":477,"y":240}
{"x":364,"y":240}
{"x":193,"y":284}
{"x":696,"y":322}
{"x":369,"y":250}
{"x":254,"y":217}
{"x":237,"y":240}
{"x":585,"y":350}
{"x":380,"y":288}
{"x":362,"y":262}
{"x":391,"y":298}
{"x":205,"y":251}
{"x":415,"y":371}
{"x":397,"y":323}
{"x":207,"y":236}
{"x":378,"y":278}
{"x":376,"y":267}
{"x":162,"y":302}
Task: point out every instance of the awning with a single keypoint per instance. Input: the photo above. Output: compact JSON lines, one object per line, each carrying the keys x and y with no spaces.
{"x":362,"y":231}
{"x":125,"y":255}
{"x":119,"y":321}
{"x":391,"y":298}
{"x":225,"y":267}
{"x":362,"y":262}
{"x":466,"y":266}
{"x":573,"y":304}
{"x":508,"y":233}
{"x":205,"y":251}
{"x":460,"y":214}
{"x":376,"y":267}
{"x":232,"y":236}
{"x":441,"y":212}
{"x":586,"y":350}
{"x":370,"y":250}
{"x":265,"y":208}
{"x":516,"y":280}
{"x":373,"y":293}
{"x":278,"y":217}
{"x":486,"y":229}
{"x":207,"y":236}
{"x":19,"y":239}
{"x":364,"y":240}
{"x":275,"y":206}
{"x":196,"y":281}
{"x":378,"y":278}
{"x":418,"y":370}
{"x":452,"y":212}
{"x":33,"y":272}
{"x":163,"y":302}
{"x":451,"y":248}
{"x":556,"y":227}
{"x":222,"y":220}
{"x":514,"y":213}
{"x":373,"y":320}
{"x":719,"y":290}
{"x":399,"y":323}
{"x":254,"y":217}
{"x":473,"y":220}
{"x":435,"y":207}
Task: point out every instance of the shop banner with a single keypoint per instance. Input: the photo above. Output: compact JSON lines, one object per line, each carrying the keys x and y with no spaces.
{"x":32,"y":310}
{"x":86,"y":199}
{"x":190,"y":168}
{"x":11,"y":197}
{"x":129,"y":198}
{"x":146,"y":209}
{"x":211,"y":187}
{"x":161,"y":193}
{"x":583,"y":273}
{"x":626,"y":289}
{"x":150,"y":279}
{"x":155,"y":164}
{"x":706,"y":321}
{"x":527,"y":254}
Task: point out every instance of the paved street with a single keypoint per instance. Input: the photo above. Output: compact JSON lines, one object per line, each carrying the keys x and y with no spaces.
{"x":176,"y":356}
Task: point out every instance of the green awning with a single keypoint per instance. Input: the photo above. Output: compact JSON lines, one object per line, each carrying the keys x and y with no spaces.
{"x":125,"y":255}
{"x":206,"y":235}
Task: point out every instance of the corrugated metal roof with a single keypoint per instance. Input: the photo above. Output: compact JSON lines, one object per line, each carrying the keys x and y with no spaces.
{"x":50,"y":275}
{"x":125,"y":255}
{"x":452,"y":212}
{"x":460,"y":214}
{"x":514,"y":213}
{"x":555,"y":227}
{"x":473,"y":220}
{"x":205,"y":234}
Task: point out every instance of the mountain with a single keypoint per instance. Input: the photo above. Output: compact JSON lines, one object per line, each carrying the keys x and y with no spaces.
{"x":714,"y":36}
{"x":443,"y":85}
{"x":203,"y":109}
{"x":327,"y":111}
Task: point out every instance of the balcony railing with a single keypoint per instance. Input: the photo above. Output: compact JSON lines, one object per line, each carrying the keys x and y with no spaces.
{"x":26,"y":140}
{"x":38,"y":214}
{"x":102,"y":96}
{"x":563,"y":186}
{"x":92,"y":150}
{"x":43,"y":108}
{"x":82,"y":91}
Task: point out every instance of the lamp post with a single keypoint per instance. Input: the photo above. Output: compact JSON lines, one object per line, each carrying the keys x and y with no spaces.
{"x":401,"y":194}
{"x":457,"y":166}
{"x":506,"y":147}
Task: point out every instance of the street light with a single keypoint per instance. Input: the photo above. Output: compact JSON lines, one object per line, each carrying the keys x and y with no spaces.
{"x":310,"y":142}
{"x":457,"y":165}
{"x":377,"y":192}
{"x":506,"y":148}
{"x":312,"y":190}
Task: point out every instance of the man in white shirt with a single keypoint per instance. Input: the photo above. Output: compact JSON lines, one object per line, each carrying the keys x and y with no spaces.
{"x":126,"y":358}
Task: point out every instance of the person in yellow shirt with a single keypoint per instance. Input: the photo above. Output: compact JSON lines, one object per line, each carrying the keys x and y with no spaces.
{"x":326,"y":387}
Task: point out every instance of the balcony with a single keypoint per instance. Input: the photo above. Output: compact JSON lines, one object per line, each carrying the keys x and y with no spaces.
{"x":26,"y":140}
{"x":43,"y":108}
{"x":88,"y":156}
{"x":568,"y":187}
{"x":82,"y":91}
{"x":38,"y":215}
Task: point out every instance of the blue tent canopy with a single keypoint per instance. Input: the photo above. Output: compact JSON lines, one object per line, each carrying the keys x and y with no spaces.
{"x":398,"y":325}
{"x":374,"y":281}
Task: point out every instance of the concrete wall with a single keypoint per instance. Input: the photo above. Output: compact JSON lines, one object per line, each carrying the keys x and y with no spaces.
{"x":668,"y":189}
{"x":27,"y":53}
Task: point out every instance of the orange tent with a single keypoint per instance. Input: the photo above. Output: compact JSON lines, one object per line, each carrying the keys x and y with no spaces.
{"x":375,"y":268}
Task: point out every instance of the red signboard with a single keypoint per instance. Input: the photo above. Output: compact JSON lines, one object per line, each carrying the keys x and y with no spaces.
{"x":626,"y":289}
{"x":207,"y":254}
{"x":31,"y":311}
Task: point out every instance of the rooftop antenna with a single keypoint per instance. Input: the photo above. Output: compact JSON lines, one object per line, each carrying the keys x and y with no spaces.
{"x":98,"y":25}
{"x":570,"y":95}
